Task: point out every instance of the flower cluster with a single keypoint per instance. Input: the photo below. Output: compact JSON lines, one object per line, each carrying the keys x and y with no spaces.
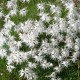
{"x":55,"y":36}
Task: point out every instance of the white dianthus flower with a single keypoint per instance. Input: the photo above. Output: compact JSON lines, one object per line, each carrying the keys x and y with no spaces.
{"x":65,"y":63}
{"x":40,"y":6}
{"x":28,"y":73}
{"x":46,"y":64}
{"x":11,"y":4}
{"x":2,"y":39}
{"x":9,"y":24}
{"x":31,"y":65}
{"x":44,"y":17}
{"x":10,"y":68}
{"x":25,"y":1}
{"x":53,"y":8}
{"x":1,"y":14}
{"x":13,"y":12}
{"x":23,"y":12}
{"x":38,"y":58}
{"x":3,"y":53}
{"x":57,"y":69}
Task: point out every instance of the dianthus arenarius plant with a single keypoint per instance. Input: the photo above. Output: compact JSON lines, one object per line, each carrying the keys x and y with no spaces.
{"x":40,"y":37}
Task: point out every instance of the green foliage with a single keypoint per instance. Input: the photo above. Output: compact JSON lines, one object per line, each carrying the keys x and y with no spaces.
{"x":69,"y":73}
{"x":6,"y":47}
{"x":41,"y":37}
{"x":3,"y":5}
{"x":18,"y":18}
{"x":4,"y":74}
{"x":42,"y":72}
{"x":48,"y":58}
{"x":1,"y":24}
{"x":64,"y":12}
{"x":24,"y":47}
{"x":14,"y":75}
{"x":15,"y":34}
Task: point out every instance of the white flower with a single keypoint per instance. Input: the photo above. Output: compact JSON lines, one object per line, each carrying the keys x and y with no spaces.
{"x":53,"y":29}
{"x":69,"y":42}
{"x":10,"y":68}
{"x":75,"y":55}
{"x":1,"y":74}
{"x":45,"y":47}
{"x":2,"y":39}
{"x":38,"y":58}
{"x":11,"y":4}
{"x":44,"y":17}
{"x":18,"y":44}
{"x":23,"y":12}
{"x":25,"y":1}
{"x":46,"y":64}
{"x":9,"y":24}
{"x":1,"y":14}
{"x":7,"y":17}
{"x":77,"y":47}
{"x":31,"y":65}
{"x":28,"y":74}
{"x":22,"y":73}
{"x":13,"y":12}
{"x":62,"y":24}
{"x":40,"y":6}
{"x":65,"y":52}
{"x":53,"y":8}
{"x":29,"y":39}
{"x":55,"y":53}
{"x":65,"y":63}
{"x":53,"y":74}
{"x":57,"y":68}
{"x":3,"y":53}
{"x":54,"y":42}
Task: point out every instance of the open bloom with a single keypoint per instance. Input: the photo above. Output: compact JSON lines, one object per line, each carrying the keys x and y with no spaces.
{"x":40,"y":6}
{"x":23,"y":12}
{"x":44,"y":17}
